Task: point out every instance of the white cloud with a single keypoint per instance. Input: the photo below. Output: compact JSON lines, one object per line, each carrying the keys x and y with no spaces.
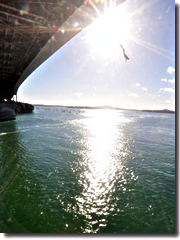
{"x":164,"y":80}
{"x":170,"y":70}
{"x":78,"y":94}
{"x":168,"y":80}
{"x":167,"y":90}
{"x":143,"y":88}
{"x":168,"y":101}
{"x":133,"y":95}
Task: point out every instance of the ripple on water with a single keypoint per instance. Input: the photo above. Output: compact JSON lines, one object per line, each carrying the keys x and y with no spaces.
{"x":94,"y":173}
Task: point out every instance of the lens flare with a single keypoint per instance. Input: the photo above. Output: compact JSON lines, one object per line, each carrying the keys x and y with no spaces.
{"x":107,"y":33}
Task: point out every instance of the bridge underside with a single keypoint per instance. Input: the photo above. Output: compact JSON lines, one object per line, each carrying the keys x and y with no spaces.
{"x":25,"y":27}
{"x":32,"y":30}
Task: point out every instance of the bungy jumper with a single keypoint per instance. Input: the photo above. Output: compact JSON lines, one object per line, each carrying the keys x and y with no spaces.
{"x":124,"y":53}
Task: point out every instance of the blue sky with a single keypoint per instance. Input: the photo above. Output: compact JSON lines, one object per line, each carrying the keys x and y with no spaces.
{"x":91,"y":70}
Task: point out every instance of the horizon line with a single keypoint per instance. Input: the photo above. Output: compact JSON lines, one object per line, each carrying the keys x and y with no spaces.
{"x":104,"y":107}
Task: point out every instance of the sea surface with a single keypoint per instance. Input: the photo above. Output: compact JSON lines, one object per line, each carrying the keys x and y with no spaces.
{"x":66,"y":170}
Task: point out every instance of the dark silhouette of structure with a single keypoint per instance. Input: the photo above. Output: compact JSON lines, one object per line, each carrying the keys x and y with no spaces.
{"x":124,"y":53}
{"x":31,"y":31}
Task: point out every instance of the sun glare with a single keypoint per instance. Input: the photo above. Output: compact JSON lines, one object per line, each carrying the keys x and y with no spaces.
{"x":101,"y":159}
{"x":109,"y":31}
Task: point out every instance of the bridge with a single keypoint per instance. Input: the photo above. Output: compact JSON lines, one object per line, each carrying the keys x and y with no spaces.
{"x":31,"y":31}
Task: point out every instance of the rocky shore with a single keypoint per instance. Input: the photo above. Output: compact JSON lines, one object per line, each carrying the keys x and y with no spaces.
{"x":23,"y":108}
{"x":9,"y":110}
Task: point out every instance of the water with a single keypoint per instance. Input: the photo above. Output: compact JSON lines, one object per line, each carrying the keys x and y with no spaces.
{"x":87,"y":171}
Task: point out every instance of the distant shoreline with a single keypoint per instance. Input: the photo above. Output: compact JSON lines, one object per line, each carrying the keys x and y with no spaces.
{"x":106,"y":107}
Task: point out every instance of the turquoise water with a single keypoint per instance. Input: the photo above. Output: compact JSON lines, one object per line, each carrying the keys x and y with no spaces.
{"x":87,"y":171}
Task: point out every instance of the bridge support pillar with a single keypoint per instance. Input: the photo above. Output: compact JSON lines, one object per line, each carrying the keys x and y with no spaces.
{"x":7,"y":111}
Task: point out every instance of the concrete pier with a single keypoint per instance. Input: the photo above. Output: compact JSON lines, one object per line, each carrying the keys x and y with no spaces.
{"x":7,"y":111}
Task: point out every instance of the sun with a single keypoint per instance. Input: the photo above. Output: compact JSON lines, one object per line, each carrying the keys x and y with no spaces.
{"x":108,"y":32}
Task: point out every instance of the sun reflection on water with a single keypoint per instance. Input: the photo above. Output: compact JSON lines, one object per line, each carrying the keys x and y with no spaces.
{"x":101,"y":165}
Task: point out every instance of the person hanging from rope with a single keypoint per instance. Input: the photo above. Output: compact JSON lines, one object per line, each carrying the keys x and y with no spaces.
{"x":125,"y":55}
